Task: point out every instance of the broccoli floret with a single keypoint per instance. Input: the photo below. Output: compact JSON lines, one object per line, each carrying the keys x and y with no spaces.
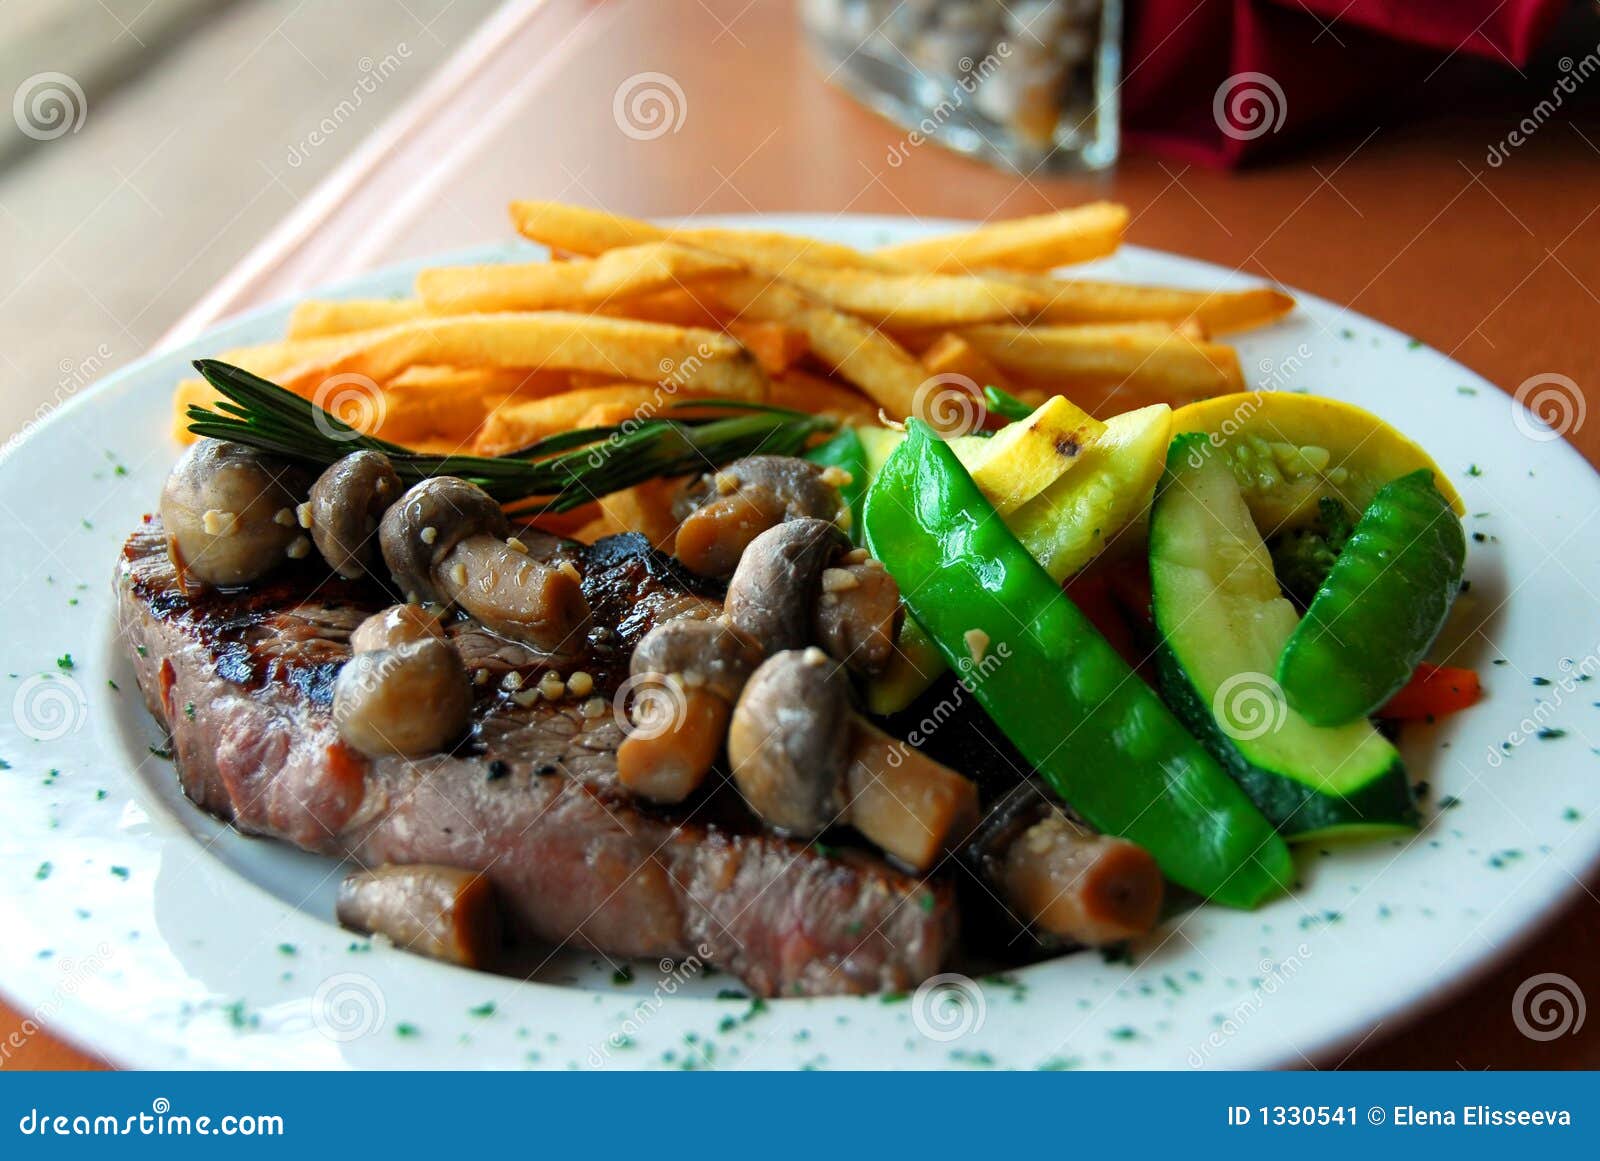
{"x":1303,"y":557}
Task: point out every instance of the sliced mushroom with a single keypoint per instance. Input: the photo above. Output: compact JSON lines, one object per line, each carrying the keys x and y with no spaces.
{"x":723,"y":511}
{"x":447,"y":540}
{"x":702,"y":666}
{"x":441,"y":912}
{"x":775,"y":588}
{"x":858,"y":614}
{"x":421,"y":528}
{"x":229,"y":514}
{"x":510,"y":593}
{"x":412,"y":699}
{"x":347,"y":501}
{"x":804,"y":761}
{"x":1089,"y":888}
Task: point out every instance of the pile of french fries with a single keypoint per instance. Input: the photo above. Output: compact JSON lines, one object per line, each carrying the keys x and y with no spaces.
{"x":626,"y":318}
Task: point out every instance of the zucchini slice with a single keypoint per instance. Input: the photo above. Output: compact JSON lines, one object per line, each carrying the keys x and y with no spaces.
{"x":1222,"y":623}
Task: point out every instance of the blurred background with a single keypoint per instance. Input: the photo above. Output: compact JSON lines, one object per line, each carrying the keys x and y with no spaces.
{"x":195,"y":126}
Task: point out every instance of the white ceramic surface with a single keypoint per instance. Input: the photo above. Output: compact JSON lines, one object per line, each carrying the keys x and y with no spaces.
{"x":138,"y":926}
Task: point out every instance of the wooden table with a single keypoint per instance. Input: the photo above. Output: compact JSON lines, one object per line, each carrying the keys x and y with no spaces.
{"x":1497,"y":267}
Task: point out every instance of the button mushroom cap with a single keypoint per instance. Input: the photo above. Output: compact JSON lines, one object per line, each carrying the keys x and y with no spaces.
{"x":347,"y":501}
{"x":704,"y":664}
{"x":397,"y":625}
{"x":228,"y":511}
{"x":421,"y":528}
{"x":709,"y":654}
{"x":789,"y":741}
{"x":411,"y":700}
{"x":804,"y":761}
{"x":775,"y":588}
{"x":723,"y":511}
{"x":859,"y":614}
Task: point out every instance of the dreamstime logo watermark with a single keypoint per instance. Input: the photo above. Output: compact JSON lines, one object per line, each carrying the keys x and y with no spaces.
{"x":647,"y":106}
{"x":1276,"y":375}
{"x":49,"y":706}
{"x":948,"y":1006}
{"x":951,"y":404}
{"x":72,"y":974}
{"x":1548,"y":406}
{"x":373,"y":75}
{"x":973,"y":74}
{"x":1249,"y":105}
{"x":675,"y":374}
{"x":352,"y":399}
{"x":348,"y":1006}
{"x":649,"y":706}
{"x":1548,"y":1007}
{"x":971,"y":672}
{"x":1274,"y":975}
{"x":1573,"y":673}
{"x":1573,"y":74}
{"x":49,"y":105}
{"x":1248,"y":706}
{"x":74,"y":375}
{"x":674,"y":975}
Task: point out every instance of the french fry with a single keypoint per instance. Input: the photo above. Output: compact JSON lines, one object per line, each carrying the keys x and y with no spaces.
{"x":1148,"y":357}
{"x":190,"y":391}
{"x":518,"y":423}
{"x":629,"y":272}
{"x":951,"y":354}
{"x":775,"y":346}
{"x":1042,"y":242}
{"x":585,"y":231}
{"x":451,"y":403}
{"x":679,"y":308}
{"x":1220,"y":311}
{"x":800,"y":391}
{"x":314,"y":318}
{"x":916,"y":300}
{"x":644,"y":508}
{"x":269,"y":360}
{"x":702,"y":361}
{"x":857,"y":352}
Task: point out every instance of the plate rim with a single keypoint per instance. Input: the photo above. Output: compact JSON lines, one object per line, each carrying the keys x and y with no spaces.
{"x":85,"y":1028}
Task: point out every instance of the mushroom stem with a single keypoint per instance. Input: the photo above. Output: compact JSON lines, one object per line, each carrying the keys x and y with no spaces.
{"x":511,"y":593}
{"x":903,"y":801}
{"x":805,"y":761}
{"x":666,"y":762}
{"x":1092,"y":889}
{"x":441,"y":912}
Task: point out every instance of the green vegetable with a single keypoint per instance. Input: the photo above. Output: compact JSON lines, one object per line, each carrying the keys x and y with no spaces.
{"x":556,"y":474}
{"x":1005,"y":404}
{"x":1303,"y":557}
{"x":1382,"y":605}
{"x":1222,"y":623}
{"x":1096,"y":733}
{"x":845,"y":450}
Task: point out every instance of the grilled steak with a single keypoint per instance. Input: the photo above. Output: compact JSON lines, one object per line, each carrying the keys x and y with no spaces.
{"x":243,"y":681}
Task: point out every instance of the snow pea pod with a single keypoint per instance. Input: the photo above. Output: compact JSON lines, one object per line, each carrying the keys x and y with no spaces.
{"x":1381,"y":606}
{"x":1095,"y":732}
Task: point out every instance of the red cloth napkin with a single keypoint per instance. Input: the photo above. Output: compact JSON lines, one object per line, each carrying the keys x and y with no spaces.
{"x":1221,"y":82}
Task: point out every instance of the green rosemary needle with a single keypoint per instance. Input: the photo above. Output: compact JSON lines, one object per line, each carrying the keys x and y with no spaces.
{"x":553,"y":475}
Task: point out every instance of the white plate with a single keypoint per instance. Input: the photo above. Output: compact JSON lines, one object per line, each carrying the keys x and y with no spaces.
{"x":138,"y":926}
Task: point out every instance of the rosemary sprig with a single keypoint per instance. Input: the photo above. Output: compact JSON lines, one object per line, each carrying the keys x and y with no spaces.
{"x":552,"y":475}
